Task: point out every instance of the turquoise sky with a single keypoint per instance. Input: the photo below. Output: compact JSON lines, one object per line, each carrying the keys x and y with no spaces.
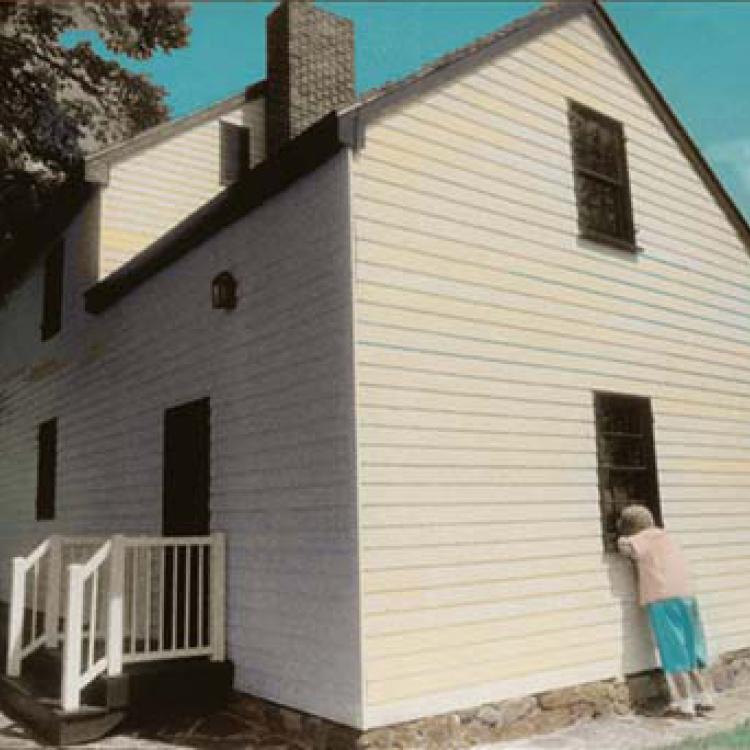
{"x":698,"y":53}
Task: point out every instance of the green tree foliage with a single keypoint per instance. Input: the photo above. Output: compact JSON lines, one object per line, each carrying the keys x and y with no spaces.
{"x":58,"y":102}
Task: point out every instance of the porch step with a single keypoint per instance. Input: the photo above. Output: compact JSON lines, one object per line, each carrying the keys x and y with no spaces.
{"x":44,"y":716}
{"x":152,"y":687}
{"x":141,"y":691}
{"x":41,"y":674}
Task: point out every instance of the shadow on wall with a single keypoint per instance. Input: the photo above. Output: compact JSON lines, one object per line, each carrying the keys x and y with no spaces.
{"x":637,"y":653}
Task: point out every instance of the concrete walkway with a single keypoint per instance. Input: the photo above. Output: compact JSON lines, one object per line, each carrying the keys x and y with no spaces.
{"x":226,"y":730}
{"x":636,"y":732}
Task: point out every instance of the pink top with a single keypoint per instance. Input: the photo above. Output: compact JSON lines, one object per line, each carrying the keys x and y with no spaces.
{"x":662,"y":569}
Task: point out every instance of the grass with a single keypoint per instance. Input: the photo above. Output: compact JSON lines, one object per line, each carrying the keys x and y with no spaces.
{"x":734,"y":739}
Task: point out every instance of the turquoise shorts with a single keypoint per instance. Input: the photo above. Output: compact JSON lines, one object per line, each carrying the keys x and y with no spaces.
{"x":678,"y":632}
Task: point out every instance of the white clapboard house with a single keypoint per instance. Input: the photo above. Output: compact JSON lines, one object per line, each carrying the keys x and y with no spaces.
{"x":347,"y":392}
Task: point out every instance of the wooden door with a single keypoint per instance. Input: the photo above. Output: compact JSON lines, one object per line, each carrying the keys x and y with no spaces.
{"x":185,"y":512}
{"x":187,"y":458}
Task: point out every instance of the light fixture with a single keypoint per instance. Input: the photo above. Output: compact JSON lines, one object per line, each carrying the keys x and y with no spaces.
{"x":224,"y":291}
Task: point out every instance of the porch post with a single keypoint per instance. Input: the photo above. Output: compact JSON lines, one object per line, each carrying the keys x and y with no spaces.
{"x":218,"y":597}
{"x":15,"y":625}
{"x":52,"y":594}
{"x":115,"y":605}
{"x":71,"y":698}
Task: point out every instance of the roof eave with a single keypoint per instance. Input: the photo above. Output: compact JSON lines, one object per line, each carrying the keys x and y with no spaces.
{"x":356,"y":117}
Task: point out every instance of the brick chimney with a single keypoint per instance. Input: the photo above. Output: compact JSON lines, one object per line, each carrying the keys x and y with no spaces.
{"x":310,"y":68}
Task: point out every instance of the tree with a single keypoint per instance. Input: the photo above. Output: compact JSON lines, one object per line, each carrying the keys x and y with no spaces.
{"x":58,"y":102}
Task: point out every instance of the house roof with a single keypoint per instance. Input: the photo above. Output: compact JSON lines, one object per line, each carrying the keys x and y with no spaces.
{"x":348,"y":128}
{"x":97,"y":164}
{"x":298,"y":157}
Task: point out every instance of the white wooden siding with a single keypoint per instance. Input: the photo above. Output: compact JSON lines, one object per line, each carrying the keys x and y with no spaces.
{"x":483,"y":324}
{"x":278,"y":373}
{"x":154,"y":190}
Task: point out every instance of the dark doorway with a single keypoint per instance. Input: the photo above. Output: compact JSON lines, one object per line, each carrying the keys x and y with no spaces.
{"x":186,"y":512}
{"x":187,"y":457}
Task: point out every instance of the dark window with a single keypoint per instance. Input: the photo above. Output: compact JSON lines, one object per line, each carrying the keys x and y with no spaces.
{"x":46,"y":471}
{"x":602,"y":187}
{"x":235,"y":152}
{"x":53,"y":291}
{"x":626,"y":458}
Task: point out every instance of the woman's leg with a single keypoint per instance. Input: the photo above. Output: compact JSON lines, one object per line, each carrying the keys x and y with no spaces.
{"x":679,"y":689}
{"x":703,"y":697}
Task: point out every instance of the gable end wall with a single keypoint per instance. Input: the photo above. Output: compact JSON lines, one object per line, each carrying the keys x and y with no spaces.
{"x":483,"y":324}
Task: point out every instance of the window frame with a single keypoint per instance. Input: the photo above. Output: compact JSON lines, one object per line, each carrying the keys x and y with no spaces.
{"x":46,"y":482}
{"x":622,"y":183}
{"x":53,"y":291}
{"x":606,"y":506}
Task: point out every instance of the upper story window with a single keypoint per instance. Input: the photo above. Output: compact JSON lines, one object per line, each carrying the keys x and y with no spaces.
{"x":53,"y":291}
{"x":605,"y":213}
{"x":236,"y":152}
{"x":626,"y":459}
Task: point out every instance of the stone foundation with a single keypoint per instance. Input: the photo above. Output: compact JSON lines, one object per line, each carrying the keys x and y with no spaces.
{"x":509,"y":719}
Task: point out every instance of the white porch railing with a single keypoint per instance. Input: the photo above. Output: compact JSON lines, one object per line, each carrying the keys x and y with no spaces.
{"x":80,"y":663}
{"x":24,"y":640}
{"x":126,"y":600}
{"x":38,"y":593}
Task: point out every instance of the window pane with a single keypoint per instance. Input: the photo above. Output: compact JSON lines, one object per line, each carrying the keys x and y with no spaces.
{"x":596,"y":144}
{"x":625,"y":452}
{"x":616,"y":414}
{"x":600,"y":207}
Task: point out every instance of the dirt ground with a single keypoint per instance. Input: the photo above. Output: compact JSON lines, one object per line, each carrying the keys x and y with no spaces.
{"x":233,"y":731}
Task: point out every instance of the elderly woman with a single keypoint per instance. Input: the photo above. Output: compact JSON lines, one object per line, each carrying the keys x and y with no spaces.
{"x":665,"y":590}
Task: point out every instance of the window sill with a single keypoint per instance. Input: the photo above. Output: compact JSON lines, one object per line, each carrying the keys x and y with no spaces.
{"x":605,"y":239}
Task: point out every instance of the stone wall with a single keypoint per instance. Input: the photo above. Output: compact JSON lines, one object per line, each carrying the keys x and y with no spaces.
{"x":505,"y":720}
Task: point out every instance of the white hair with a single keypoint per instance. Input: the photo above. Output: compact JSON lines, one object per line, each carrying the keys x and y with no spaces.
{"x":633,"y":519}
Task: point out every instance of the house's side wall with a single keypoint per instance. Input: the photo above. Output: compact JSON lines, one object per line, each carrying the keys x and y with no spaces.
{"x":278,"y":371}
{"x":21,"y":345}
{"x":149,"y":193}
{"x":482,"y":327}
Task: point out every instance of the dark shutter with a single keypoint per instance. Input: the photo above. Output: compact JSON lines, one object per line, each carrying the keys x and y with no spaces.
{"x":53,"y":291}
{"x":626,"y":459}
{"x":46,"y":471}
{"x":235,"y":152}
{"x":602,"y":183}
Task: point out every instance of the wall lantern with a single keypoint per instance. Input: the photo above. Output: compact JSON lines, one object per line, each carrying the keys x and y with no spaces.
{"x":224,"y":291}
